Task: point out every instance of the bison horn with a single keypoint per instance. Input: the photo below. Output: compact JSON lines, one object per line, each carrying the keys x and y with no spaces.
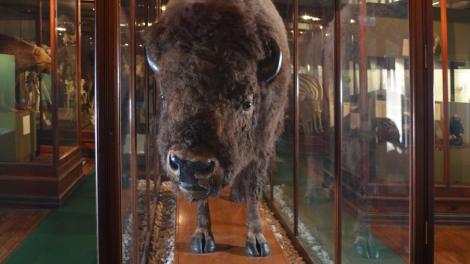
{"x":270,"y":67}
{"x":152,"y":62}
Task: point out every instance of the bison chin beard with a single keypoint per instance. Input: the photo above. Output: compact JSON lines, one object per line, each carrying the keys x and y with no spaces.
{"x":195,"y":193}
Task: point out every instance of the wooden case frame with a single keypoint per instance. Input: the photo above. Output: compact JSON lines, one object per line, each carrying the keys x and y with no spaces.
{"x":47,"y":183}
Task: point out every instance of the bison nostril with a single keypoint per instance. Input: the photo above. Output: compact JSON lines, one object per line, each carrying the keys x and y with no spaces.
{"x":174,"y":162}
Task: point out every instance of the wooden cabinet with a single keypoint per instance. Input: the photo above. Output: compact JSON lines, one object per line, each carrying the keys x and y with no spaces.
{"x":16,"y":136}
{"x":40,"y":157}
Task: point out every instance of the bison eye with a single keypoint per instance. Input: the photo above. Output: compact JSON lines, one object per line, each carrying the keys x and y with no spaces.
{"x":246,"y":106}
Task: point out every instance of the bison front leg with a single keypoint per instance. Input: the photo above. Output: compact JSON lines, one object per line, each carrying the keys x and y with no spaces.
{"x":256,"y":245}
{"x":203,"y":240}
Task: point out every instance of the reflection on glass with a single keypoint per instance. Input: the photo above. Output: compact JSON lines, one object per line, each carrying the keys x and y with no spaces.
{"x":127,"y":151}
{"x":87,"y":91}
{"x":316,"y":102}
{"x":47,"y":211}
{"x":25,"y":83}
{"x":152,"y":104}
{"x":141,"y":121}
{"x":376,"y":131}
{"x":283,"y":185}
{"x":66,"y":81}
{"x":452,"y":126}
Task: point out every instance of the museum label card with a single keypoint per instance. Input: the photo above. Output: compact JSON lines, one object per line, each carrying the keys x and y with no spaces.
{"x":26,"y":125}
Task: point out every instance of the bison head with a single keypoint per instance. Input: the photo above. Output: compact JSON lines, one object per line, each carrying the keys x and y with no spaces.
{"x":222,"y":71}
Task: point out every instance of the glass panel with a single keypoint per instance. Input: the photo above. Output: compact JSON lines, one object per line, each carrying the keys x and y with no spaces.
{"x":25,"y":82}
{"x":87,"y":91}
{"x":376,"y":131}
{"x":451,"y":27}
{"x":438,"y":106}
{"x":458,"y":27}
{"x":67,"y":75}
{"x":153,"y":157}
{"x":143,"y":205}
{"x":283,"y":187}
{"x":316,"y":97}
{"x":129,"y":245}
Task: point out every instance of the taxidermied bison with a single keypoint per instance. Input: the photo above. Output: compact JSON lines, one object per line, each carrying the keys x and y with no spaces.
{"x":223,"y":68}
{"x":28,"y":56}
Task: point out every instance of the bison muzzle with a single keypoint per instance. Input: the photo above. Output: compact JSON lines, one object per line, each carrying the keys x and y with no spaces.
{"x":223,"y":70}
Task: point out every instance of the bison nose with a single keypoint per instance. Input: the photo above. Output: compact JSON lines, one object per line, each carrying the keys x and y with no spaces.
{"x":190,"y":170}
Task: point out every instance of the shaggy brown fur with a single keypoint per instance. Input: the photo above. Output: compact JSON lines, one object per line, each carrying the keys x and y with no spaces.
{"x":208,"y":54}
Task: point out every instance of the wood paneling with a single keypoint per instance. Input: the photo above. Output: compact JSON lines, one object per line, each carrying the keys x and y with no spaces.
{"x":41,"y":185}
{"x":452,"y":245}
{"x":451,"y":242}
{"x":15,"y":226}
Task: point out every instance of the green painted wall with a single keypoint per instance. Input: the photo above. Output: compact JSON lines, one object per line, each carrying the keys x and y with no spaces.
{"x":7,"y":83}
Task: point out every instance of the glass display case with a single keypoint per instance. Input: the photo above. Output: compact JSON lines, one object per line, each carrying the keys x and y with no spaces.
{"x":139,"y":167}
{"x":376,"y":130}
{"x":374,"y":76}
{"x":87,"y":89}
{"x":40,"y":159}
{"x":452,"y":111}
{"x":348,"y":182}
{"x":282,"y":180}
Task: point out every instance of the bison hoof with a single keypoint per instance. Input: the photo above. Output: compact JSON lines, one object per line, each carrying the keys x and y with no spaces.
{"x":257,"y":247}
{"x":202,"y":242}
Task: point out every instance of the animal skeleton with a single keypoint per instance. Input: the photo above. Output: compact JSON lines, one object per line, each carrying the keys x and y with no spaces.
{"x":312,"y":92}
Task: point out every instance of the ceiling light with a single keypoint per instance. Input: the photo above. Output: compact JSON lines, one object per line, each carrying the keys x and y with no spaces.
{"x":309,"y":17}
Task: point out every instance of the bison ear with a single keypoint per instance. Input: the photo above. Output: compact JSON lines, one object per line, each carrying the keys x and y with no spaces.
{"x":270,"y":67}
{"x":152,"y":61}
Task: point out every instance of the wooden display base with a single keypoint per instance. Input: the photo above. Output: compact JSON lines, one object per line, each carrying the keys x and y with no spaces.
{"x":39,"y":183}
{"x":87,"y":136}
{"x":229,"y":230}
{"x":387,"y":203}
